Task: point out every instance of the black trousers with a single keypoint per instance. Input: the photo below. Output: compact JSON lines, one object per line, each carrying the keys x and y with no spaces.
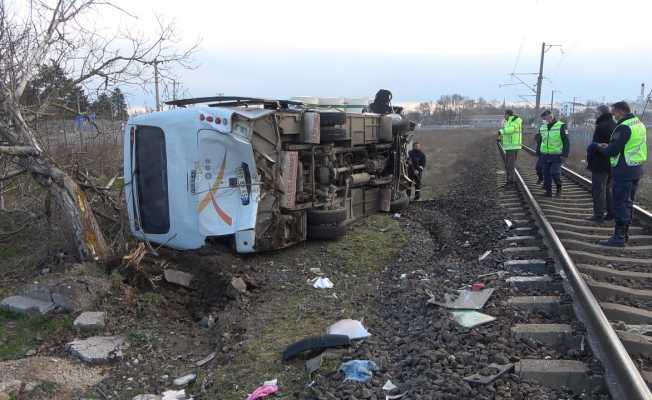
{"x":415,"y":175}
{"x":601,"y":190}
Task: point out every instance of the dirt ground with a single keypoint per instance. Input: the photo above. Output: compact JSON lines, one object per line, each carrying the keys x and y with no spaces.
{"x":380,"y":270}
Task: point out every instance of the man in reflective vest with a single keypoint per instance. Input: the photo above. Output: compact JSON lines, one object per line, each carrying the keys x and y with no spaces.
{"x":511,"y":138}
{"x":553,"y":148}
{"x":627,"y":152}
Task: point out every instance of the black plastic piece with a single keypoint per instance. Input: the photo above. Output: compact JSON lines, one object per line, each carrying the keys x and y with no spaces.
{"x":315,"y":343}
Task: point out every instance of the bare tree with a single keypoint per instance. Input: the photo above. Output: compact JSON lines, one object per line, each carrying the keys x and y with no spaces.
{"x":54,"y":31}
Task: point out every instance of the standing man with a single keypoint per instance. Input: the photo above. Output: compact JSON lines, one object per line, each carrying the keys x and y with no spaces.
{"x":600,"y":167}
{"x":554,"y":146}
{"x":627,"y":152}
{"x":416,"y":163}
{"x":511,"y":138}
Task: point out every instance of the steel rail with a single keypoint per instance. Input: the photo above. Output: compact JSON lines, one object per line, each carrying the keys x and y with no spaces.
{"x":643,"y":216}
{"x":623,"y":378}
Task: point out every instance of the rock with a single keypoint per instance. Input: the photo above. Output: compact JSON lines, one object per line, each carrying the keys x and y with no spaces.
{"x":27,"y":305}
{"x":98,"y":349}
{"x":71,"y":294}
{"x":90,"y":320}
{"x":12,"y":385}
{"x":178,"y":277}
{"x":239,"y":285}
{"x":147,"y":397}
{"x":184,"y":380}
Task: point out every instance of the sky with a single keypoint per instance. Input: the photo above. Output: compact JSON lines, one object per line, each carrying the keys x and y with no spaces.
{"x":419,"y":50}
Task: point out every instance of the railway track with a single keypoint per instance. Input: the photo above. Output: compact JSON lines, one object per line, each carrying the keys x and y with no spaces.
{"x":558,"y":270}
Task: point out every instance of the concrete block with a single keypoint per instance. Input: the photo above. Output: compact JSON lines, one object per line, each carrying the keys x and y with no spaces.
{"x":98,"y":349}
{"x":627,"y":314}
{"x":549,"y":304}
{"x":90,"y":320}
{"x":26,"y":305}
{"x":178,"y":277}
{"x":552,"y":335}
{"x":532,"y":266}
{"x":555,"y":373}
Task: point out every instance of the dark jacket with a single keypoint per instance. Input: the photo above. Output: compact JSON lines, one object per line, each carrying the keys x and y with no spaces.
{"x":417,"y":159}
{"x":619,"y":139}
{"x":596,"y":161}
{"x":537,"y":141}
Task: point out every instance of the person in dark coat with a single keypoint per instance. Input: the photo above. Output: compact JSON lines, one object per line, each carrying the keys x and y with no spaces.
{"x":416,"y":165}
{"x":600,"y":168}
{"x":627,"y":151}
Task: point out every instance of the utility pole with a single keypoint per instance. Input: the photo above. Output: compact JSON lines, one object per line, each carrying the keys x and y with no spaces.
{"x":573,"y":111}
{"x":537,"y":103}
{"x":158,"y":101}
{"x":174,"y":89}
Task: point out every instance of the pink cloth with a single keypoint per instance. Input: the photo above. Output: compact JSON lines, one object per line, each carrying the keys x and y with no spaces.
{"x":262,"y":392}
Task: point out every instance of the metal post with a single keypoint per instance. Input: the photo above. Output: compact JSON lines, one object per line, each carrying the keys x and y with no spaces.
{"x":540,"y":80}
{"x":158,"y":101}
{"x":552,"y":100}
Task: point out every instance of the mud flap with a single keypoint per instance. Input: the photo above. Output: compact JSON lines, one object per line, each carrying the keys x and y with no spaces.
{"x":245,"y":241}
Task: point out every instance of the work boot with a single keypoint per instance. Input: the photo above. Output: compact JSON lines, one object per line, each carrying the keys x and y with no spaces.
{"x":417,"y":195}
{"x":548,"y":193}
{"x":618,"y":238}
{"x":626,"y":233}
{"x":558,"y":194}
{"x":609,"y":217}
{"x":596,"y":218}
{"x":539,"y":181}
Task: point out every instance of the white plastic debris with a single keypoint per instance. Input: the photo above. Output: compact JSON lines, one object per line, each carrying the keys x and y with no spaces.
{"x":509,"y":224}
{"x":316,"y":271}
{"x":272,"y":382}
{"x":389,"y":386}
{"x":322,"y":283}
{"x":396,"y":216}
{"x":184,"y":380}
{"x":174,"y":394}
{"x":349,"y":327}
{"x":403,"y":276}
{"x":484,"y":255}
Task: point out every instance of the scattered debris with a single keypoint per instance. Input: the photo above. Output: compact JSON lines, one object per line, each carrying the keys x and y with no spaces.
{"x":484,"y":255}
{"x":396,"y":216}
{"x":313,"y":364}
{"x":509,"y":224}
{"x":316,"y":271}
{"x":394,"y":397}
{"x":26,"y":305}
{"x":465,"y":300}
{"x":352,"y":328}
{"x":358,"y":370}
{"x":90,"y":320}
{"x":98,"y":349}
{"x":268,"y":388}
{"x":478,"y":286}
{"x":315,"y":343}
{"x":471,"y":319}
{"x":383,"y":230}
{"x":184,"y":380}
{"x":489,"y":374}
{"x":240,"y":285}
{"x":206,"y":359}
{"x":403,"y":276}
{"x":321,"y":283}
{"x":178,"y":277}
{"x":389,"y":386}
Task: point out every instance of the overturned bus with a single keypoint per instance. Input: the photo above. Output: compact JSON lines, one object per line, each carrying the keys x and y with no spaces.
{"x":267,"y":173}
